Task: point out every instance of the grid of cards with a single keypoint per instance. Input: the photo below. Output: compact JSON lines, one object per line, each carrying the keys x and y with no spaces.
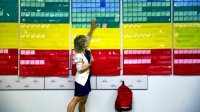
{"x":186,"y":10}
{"x":8,"y":11}
{"x":48,"y":11}
{"x":106,"y":12}
{"x":143,"y":11}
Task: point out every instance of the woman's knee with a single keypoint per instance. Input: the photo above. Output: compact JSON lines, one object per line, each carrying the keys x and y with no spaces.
{"x":83,"y":100}
{"x":76,"y":100}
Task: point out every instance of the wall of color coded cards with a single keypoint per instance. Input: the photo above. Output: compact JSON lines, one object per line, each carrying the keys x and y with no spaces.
{"x":44,"y":33}
{"x":44,"y":38}
{"x":186,"y":37}
{"x":8,"y":37}
{"x":147,"y":37}
{"x":105,"y":43}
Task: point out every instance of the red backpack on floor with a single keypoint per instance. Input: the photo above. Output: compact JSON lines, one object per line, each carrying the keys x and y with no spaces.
{"x":124,"y":98}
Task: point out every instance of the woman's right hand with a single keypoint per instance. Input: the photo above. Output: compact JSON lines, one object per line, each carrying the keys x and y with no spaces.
{"x":86,"y":66}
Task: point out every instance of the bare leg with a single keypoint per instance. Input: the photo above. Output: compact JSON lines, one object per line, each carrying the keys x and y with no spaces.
{"x":73,"y":104}
{"x":82,"y":104}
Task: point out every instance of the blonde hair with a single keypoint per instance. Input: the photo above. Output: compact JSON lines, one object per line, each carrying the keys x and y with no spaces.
{"x":79,"y":43}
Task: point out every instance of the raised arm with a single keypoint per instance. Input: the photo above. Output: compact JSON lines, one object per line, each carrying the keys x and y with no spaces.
{"x":93,"y":26}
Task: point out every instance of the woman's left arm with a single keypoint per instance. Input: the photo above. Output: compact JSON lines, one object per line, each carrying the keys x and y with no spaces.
{"x":92,"y":59}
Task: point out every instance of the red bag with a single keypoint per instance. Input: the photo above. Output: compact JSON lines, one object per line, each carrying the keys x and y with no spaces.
{"x":124,"y":98}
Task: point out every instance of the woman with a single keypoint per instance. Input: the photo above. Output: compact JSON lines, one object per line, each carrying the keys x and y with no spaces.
{"x":83,"y":60}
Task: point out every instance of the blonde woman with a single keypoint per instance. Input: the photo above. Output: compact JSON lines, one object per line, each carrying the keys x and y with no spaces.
{"x":83,"y":60}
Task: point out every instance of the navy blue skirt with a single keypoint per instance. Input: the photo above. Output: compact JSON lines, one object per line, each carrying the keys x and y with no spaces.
{"x":82,"y":90}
